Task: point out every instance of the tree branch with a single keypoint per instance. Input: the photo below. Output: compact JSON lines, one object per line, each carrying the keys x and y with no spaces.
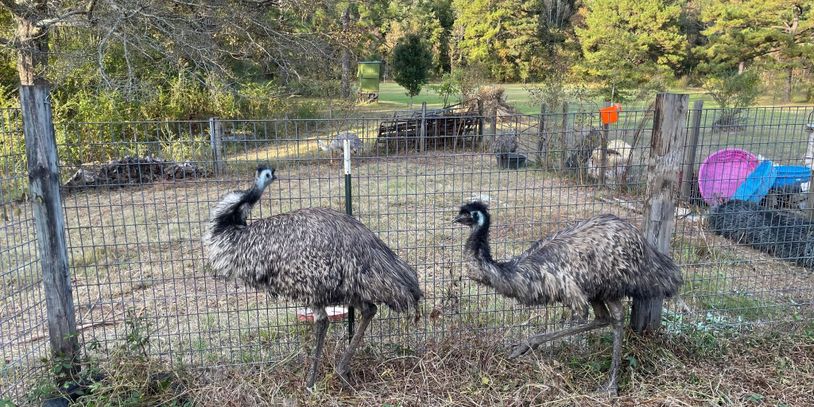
{"x":17,"y":9}
{"x":87,"y":11}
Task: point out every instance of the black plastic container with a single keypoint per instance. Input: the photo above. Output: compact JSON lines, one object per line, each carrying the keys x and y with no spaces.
{"x":511,"y":160}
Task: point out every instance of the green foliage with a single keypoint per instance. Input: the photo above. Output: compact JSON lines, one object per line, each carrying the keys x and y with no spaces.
{"x":411,"y":64}
{"x":630,"y":44}
{"x":732,"y":92}
{"x":450,"y":85}
{"x":503,"y":35}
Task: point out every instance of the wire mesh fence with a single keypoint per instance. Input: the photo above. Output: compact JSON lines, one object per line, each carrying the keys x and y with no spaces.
{"x":137,"y":197}
{"x":22,"y":301}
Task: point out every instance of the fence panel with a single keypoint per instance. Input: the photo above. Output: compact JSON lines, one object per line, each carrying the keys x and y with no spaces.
{"x":23,"y":322}
{"x":137,"y":201}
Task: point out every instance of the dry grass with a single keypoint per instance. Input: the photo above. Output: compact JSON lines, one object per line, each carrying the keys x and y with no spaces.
{"x":139,"y":249}
{"x":684,"y":369}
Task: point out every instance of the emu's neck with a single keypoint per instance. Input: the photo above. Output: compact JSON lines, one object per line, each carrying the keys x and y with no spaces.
{"x":482,"y":267}
{"x":234,"y":209}
{"x":478,"y":244}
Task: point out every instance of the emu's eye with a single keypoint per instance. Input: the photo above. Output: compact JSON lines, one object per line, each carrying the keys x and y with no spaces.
{"x":268,"y":175}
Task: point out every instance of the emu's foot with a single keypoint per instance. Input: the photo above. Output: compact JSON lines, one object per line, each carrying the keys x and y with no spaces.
{"x":519,"y":349}
{"x":608,"y":389}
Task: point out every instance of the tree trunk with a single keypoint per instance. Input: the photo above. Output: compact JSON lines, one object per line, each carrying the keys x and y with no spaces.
{"x":741,"y":67}
{"x":346,"y":55}
{"x":32,"y":55}
{"x":789,"y":85}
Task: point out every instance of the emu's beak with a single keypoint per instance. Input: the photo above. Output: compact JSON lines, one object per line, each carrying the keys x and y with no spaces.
{"x":459,"y":219}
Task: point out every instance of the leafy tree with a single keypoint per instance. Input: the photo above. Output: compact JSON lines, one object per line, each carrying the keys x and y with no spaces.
{"x":732,"y":91}
{"x":777,"y":31}
{"x":411,"y":64}
{"x":629,"y":44}
{"x":504,"y":35}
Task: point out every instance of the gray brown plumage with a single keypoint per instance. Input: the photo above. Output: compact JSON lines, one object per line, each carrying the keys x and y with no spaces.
{"x":316,"y":256}
{"x":596,"y":262}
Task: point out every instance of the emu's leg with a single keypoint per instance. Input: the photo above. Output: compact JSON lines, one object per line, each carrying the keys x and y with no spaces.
{"x":602,"y":320}
{"x":618,"y":315}
{"x":320,"y":328}
{"x":368,"y":311}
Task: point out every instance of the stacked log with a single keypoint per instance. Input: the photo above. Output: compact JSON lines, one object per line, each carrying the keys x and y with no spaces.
{"x":130,"y":171}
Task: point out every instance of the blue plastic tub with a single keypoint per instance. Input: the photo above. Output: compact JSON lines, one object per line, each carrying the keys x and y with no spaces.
{"x":790,"y":175}
{"x":757,"y":184}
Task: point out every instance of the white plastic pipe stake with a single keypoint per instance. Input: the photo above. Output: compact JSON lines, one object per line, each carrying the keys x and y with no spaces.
{"x":346,"y":148}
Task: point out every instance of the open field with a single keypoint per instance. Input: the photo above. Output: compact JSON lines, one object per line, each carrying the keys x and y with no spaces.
{"x":393,"y":96}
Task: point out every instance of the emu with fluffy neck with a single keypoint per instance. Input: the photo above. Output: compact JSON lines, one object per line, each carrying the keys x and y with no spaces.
{"x":317,"y":256}
{"x":597,"y":262}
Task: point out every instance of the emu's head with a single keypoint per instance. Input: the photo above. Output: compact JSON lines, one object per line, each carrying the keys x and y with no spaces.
{"x":264,"y":176}
{"x":473,"y":214}
{"x":234,"y":207}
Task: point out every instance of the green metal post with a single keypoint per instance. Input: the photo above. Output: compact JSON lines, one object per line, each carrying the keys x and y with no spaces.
{"x":349,"y":211}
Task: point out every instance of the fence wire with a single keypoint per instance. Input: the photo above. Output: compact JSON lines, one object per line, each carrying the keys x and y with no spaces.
{"x":134,"y":224}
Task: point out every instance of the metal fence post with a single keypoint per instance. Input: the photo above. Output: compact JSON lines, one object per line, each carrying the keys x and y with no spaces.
{"x":666,"y":158}
{"x":49,"y":220}
{"x":423,"y":130}
{"x":692,"y":149}
{"x":349,"y":211}
{"x":216,"y":143}
{"x":493,"y":127}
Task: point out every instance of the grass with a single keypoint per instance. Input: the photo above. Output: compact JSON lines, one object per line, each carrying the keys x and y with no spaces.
{"x":695,"y":365}
{"x":139,"y":248}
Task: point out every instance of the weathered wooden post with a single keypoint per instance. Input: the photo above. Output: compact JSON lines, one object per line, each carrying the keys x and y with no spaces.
{"x":216,"y":143}
{"x":49,"y":220}
{"x":564,"y":136}
{"x":423,"y":130}
{"x":541,"y":142}
{"x":692,"y":150}
{"x":666,"y":157}
{"x":603,"y":150}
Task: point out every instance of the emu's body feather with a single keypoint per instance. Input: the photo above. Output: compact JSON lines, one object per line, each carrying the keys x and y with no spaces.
{"x":317,"y":256}
{"x":603,"y":258}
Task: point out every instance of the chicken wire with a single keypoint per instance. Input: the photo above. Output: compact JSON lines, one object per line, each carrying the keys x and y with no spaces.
{"x":135,"y":245}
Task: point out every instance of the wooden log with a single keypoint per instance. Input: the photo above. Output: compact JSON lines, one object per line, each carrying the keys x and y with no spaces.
{"x":666,"y":157}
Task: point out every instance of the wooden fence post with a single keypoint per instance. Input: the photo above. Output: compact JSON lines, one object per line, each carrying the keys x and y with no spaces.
{"x":603,"y":150}
{"x":423,"y":130}
{"x":692,"y":150}
{"x":541,"y":141}
{"x":564,"y":136}
{"x":666,"y":157}
{"x":216,"y":143}
{"x":493,"y":125}
{"x":49,"y":220}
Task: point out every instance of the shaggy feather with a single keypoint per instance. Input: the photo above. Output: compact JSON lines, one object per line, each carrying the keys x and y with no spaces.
{"x":604,"y":258}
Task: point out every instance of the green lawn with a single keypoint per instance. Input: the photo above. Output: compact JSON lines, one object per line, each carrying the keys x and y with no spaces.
{"x":393,"y":96}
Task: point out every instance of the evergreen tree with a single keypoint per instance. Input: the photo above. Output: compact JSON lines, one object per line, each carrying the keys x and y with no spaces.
{"x":411,"y":64}
{"x":628,"y":45}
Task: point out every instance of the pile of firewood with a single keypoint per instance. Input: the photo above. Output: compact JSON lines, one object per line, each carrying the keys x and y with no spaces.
{"x":133,"y":171}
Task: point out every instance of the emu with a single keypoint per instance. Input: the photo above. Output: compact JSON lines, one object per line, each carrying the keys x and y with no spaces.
{"x":598,"y":262}
{"x":317,"y":256}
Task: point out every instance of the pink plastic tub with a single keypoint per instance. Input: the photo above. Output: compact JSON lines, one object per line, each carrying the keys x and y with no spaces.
{"x":723,"y":172}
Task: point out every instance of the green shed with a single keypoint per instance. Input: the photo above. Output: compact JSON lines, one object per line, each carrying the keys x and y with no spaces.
{"x":368,"y":73}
